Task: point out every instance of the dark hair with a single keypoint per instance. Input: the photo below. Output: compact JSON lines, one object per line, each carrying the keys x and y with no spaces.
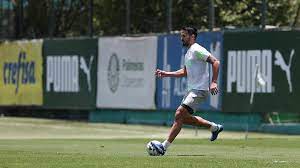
{"x":190,"y":30}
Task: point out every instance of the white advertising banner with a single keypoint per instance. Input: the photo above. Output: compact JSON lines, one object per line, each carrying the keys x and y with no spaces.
{"x":126,"y":67}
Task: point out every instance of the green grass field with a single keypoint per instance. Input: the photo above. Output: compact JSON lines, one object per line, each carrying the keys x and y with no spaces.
{"x":36,"y":143}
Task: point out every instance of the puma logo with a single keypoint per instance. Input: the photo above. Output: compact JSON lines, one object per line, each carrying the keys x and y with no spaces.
{"x":285,"y":67}
{"x":87,"y":70}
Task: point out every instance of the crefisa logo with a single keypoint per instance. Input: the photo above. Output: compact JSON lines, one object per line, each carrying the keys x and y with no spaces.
{"x":20,"y":72}
{"x":241,"y":65}
{"x":113,"y":72}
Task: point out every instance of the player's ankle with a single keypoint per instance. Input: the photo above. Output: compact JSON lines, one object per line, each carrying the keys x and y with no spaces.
{"x":213,"y":127}
{"x":166,"y":144}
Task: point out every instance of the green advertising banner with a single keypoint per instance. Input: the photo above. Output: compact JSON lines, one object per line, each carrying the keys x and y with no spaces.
{"x":70,"y":73}
{"x":275,"y":84}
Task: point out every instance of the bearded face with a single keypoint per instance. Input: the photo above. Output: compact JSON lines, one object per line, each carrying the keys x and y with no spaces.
{"x":185,"y":38}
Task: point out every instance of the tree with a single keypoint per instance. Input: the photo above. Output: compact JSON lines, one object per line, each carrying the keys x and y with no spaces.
{"x":247,"y":13}
{"x":58,"y":18}
{"x":296,"y":22}
{"x":109,"y":17}
{"x":63,"y":18}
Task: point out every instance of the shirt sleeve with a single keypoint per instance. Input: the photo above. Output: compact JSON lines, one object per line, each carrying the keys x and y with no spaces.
{"x":202,"y":54}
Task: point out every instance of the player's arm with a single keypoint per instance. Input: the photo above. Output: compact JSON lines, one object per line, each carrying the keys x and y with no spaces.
{"x":179,"y":73}
{"x":215,"y":67}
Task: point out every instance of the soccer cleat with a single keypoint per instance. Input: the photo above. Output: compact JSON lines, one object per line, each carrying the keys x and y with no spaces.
{"x":214,"y":134}
{"x":159,"y":148}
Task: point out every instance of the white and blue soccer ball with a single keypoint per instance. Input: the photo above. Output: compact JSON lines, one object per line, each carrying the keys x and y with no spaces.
{"x":155,"y":148}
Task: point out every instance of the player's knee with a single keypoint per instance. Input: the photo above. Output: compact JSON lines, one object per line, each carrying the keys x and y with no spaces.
{"x":189,"y":120}
{"x":179,"y":116}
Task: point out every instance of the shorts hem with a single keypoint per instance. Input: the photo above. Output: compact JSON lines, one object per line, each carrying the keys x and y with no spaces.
{"x":188,"y":108}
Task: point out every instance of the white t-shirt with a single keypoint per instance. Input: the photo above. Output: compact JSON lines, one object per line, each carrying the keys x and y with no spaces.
{"x":197,"y":67}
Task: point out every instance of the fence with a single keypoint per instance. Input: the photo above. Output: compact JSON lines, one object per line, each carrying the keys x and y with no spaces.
{"x":73,"y":18}
{"x":117,"y":73}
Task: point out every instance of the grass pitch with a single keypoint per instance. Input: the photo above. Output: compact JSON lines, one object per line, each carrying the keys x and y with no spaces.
{"x":37,"y":143}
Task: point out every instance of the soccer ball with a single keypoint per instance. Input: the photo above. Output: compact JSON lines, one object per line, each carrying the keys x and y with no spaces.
{"x":155,"y":148}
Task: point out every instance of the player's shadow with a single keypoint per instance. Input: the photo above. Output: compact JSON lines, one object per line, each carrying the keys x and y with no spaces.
{"x":187,"y":155}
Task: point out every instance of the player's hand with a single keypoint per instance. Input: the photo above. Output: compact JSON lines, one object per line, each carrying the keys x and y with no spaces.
{"x":160,"y":73}
{"x":214,"y":88}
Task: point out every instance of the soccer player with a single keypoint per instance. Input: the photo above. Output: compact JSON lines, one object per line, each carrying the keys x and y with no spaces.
{"x":196,"y":70}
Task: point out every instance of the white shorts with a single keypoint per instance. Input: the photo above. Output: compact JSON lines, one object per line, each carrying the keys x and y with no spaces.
{"x":192,"y":99}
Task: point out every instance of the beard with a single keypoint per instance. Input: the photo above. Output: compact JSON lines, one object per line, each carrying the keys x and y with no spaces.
{"x":184,"y":44}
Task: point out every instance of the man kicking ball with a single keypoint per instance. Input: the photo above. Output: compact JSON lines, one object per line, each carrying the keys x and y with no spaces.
{"x":196,"y":70}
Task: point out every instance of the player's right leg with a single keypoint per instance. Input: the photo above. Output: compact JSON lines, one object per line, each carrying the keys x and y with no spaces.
{"x":180,"y":115}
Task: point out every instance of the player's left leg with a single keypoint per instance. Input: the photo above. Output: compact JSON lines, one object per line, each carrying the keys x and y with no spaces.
{"x":198,"y":121}
{"x":191,"y":102}
{"x":184,"y":115}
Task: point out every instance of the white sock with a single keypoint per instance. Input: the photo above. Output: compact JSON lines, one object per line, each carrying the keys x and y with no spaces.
{"x":213,"y":127}
{"x":166,"y":144}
